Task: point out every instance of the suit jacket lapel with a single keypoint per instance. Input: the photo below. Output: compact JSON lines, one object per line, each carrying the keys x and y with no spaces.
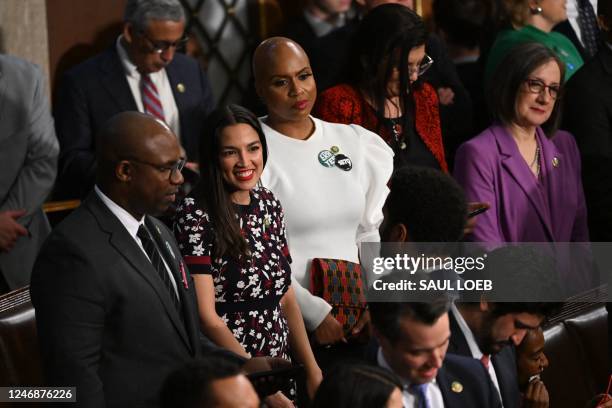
{"x":115,"y":82}
{"x":450,"y":397}
{"x":515,"y":165}
{"x":2,"y":92}
{"x":179,"y":96}
{"x":457,"y":344}
{"x":125,"y":245}
{"x":551,"y":176}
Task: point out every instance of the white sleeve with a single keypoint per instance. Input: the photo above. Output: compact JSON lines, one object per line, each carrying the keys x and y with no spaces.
{"x":376,"y":170}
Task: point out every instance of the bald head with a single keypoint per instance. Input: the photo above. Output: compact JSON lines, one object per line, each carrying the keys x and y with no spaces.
{"x":268,"y":52}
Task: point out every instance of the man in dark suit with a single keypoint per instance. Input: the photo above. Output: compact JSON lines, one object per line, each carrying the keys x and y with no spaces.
{"x":115,"y":306}
{"x":588,"y":116}
{"x":490,"y":330}
{"x":142,"y":72}
{"x":413,"y":339}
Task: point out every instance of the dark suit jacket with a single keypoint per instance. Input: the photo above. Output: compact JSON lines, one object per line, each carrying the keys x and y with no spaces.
{"x":476,"y":388}
{"x":96,"y":90}
{"x":106,"y":323}
{"x":588,"y":115}
{"x":504,"y":363}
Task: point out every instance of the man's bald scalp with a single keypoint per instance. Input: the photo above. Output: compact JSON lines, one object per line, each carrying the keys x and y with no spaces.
{"x":266,"y":50}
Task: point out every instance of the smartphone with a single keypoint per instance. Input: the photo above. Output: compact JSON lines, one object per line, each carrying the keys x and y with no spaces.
{"x":279,"y":379}
{"x":477,"y":211}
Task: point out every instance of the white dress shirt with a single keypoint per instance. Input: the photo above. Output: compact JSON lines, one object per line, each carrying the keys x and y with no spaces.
{"x":161,"y":81}
{"x":474,"y":349}
{"x":434,"y":395}
{"x":131,"y":224}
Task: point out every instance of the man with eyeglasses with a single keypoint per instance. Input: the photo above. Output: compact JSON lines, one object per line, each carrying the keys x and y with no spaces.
{"x":116,"y":308}
{"x":141,"y":72}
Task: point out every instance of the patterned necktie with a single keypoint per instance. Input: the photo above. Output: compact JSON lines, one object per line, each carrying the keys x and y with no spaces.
{"x":420,"y":392}
{"x":156,"y":259}
{"x":485,"y":360}
{"x":150,"y":98}
{"x":588,"y":26}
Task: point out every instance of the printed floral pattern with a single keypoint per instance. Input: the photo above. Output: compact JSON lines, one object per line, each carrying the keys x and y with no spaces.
{"x":247,"y":290}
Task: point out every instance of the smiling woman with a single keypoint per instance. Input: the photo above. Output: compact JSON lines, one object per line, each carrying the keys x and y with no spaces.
{"x":231,"y":232}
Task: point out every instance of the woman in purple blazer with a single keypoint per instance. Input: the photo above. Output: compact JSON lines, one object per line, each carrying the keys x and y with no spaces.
{"x":527,"y":170}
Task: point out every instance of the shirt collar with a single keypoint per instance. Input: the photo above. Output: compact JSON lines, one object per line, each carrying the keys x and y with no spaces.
{"x":467,"y":333}
{"x":129,"y":68}
{"x":129,"y":222}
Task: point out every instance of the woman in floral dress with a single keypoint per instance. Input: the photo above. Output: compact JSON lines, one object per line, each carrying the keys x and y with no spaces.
{"x":232,"y":235}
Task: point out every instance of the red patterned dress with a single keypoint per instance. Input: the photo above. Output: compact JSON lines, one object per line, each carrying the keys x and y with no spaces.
{"x":344,"y":104}
{"x":248,"y":290}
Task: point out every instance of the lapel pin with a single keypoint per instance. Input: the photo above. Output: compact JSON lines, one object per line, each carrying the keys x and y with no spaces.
{"x":343,"y":162}
{"x":335,"y":149}
{"x":457,"y":387}
{"x":180,"y":87}
{"x":326,"y":158}
{"x":183,"y":275}
{"x":555,"y":162}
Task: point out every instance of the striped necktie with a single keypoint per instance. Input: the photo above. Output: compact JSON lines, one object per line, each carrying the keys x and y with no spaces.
{"x":150,"y":98}
{"x":420,"y":392}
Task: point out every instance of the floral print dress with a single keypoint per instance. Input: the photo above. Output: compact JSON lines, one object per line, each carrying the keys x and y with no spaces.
{"x":247,"y":290}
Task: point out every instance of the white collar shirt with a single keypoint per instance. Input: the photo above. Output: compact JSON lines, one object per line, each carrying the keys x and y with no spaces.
{"x":434,"y":395}
{"x":474,"y":349}
{"x":161,"y":81}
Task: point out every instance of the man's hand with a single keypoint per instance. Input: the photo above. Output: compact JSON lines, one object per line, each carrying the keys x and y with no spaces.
{"x":329,"y":331}
{"x":536,"y":395}
{"x":363,"y":323}
{"x":10,"y":229}
{"x":446,"y":96}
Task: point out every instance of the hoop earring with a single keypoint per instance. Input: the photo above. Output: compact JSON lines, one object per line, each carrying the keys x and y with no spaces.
{"x":536,"y":10}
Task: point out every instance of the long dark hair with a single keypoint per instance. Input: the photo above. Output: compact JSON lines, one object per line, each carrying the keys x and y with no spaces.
{"x":506,"y":83}
{"x":383,"y":41}
{"x":212,"y":191}
{"x":356,"y":386}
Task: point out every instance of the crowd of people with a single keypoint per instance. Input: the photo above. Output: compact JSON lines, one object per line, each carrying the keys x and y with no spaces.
{"x":376,"y":130}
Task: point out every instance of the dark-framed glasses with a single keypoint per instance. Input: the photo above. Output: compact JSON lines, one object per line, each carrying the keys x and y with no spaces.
{"x":536,"y":86}
{"x":158,"y":47}
{"x":172,"y":169}
{"x":425,"y":64}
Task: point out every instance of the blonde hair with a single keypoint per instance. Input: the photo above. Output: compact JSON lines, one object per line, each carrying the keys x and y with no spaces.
{"x":518,"y":11}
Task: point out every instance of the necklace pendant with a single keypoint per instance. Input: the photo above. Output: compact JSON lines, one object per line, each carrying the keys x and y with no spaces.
{"x":403,"y":145}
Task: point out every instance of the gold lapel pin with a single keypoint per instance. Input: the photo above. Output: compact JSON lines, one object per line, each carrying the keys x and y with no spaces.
{"x":180,"y":87}
{"x":457,"y":387}
{"x":555,"y":162}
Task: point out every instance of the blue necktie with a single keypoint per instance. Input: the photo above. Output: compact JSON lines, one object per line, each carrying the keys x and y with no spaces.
{"x":420,"y":391}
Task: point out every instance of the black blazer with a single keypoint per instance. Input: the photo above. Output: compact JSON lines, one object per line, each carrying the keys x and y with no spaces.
{"x":588,"y":116}
{"x":106,"y":323}
{"x":94,"y":91}
{"x":504,"y":363}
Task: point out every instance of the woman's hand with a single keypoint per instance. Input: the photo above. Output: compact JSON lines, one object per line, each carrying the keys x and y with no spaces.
{"x":536,"y":395}
{"x":313,"y":380}
{"x":470,"y":223}
{"x":329,"y":331}
{"x":363,"y":323}
{"x":278,"y":400}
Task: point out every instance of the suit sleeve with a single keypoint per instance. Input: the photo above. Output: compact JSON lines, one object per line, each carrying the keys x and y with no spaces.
{"x":473,"y":172}
{"x":70,"y":318}
{"x":37,"y":175}
{"x":76,"y":138}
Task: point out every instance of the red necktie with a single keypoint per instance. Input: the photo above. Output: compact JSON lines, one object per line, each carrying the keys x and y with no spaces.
{"x":150,"y":99}
{"x":485,"y":359}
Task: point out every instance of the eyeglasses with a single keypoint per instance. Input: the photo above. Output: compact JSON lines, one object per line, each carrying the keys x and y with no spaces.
{"x":172,"y":170}
{"x":537,"y":87}
{"x":425,"y":64}
{"x":157,"y":47}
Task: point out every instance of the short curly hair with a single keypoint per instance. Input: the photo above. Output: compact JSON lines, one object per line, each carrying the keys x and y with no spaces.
{"x":428,"y":202}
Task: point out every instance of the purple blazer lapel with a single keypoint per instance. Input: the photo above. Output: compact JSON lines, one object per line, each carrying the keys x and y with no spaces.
{"x":515,"y":165}
{"x":551,"y":160}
